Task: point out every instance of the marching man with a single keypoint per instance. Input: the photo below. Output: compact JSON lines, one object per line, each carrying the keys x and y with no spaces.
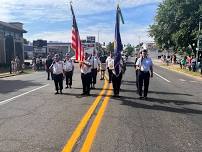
{"x":68,"y":70}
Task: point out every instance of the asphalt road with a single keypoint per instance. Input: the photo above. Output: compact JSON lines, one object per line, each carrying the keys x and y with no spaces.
{"x":33,"y":119}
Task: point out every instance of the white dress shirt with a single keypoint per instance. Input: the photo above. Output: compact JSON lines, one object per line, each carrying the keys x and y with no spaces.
{"x":57,"y":67}
{"x":94,"y":62}
{"x":110,"y":63}
{"x":86,"y":69}
{"x":144,"y":64}
{"x":68,"y":65}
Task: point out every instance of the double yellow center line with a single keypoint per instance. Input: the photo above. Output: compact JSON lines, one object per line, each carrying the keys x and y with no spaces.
{"x":93,"y":129}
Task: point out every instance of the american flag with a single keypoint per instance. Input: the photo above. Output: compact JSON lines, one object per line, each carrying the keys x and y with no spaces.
{"x":76,"y":42}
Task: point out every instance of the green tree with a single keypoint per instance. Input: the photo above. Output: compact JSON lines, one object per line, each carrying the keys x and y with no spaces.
{"x":129,"y":49}
{"x":110,"y":47}
{"x":176,"y":23}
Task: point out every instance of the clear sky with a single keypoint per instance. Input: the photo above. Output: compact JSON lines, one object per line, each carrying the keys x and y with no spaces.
{"x":52,"y":20}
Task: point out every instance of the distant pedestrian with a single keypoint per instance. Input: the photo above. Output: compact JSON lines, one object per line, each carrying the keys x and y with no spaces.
{"x":189,"y":61}
{"x":200,"y":63}
{"x":86,"y":78}
{"x":17,"y":61}
{"x":183,"y":63}
{"x":145,"y":66}
{"x":68,"y":70}
{"x":94,"y":60}
{"x":193,"y":64}
{"x":103,"y":66}
{"x":58,"y":73}
{"x":110,"y":66}
{"x":49,"y":61}
{"x":137,"y":69}
{"x":13,"y":66}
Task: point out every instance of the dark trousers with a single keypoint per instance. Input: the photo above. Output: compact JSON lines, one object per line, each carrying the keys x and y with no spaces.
{"x":143,"y":79}
{"x":137,"y":79}
{"x":110,"y":75}
{"x":68,"y":76}
{"x":58,"y":79}
{"x":116,"y":81}
{"x":102,"y":74}
{"x":86,"y":81}
{"x":94,"y":76}
{"x":49,"y":73}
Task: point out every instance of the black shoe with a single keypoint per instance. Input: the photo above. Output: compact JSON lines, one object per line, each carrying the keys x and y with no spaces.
{"x":88,"y":94}
{"x":66,"y":87}
{"x":48,"y":79}
{"x":141,"y":97}
{"x":145,"y":97}
{"x":56,"y":92}
{"x":70,"y":87}
{"x":83,"y":93}
{"x":60,"y":91}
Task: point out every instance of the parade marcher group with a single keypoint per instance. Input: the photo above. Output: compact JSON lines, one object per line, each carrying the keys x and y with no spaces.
{"x":91,"y":65}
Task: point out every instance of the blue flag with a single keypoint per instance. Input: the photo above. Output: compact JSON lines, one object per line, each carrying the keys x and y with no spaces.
{"x":118,"y":47}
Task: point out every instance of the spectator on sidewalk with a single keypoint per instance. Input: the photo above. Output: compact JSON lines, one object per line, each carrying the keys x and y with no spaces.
{"x":183,"y":63}
{"x":49,"y":61}
{"x":189,"y":62}
{"x":200,"y":64}
{"x":193,"y":64}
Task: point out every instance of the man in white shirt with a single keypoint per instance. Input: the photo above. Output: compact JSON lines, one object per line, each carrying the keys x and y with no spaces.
{"x":110,"y":66}
{"x":86,"y":78}
{"x":94,"y":60}
{"x":145,"y":66}
{"x":58,"y":73}
{"x":68,"y":70}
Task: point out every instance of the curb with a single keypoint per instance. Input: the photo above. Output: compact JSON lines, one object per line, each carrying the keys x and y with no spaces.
{"x":6,"y":75}
{"x":174,"y":70}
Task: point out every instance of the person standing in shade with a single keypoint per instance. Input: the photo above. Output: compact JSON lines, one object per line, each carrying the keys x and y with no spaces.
{"x":145,"y":66}
{"x":200,"y":63}
{"x":58,"y":73}
{"x":49,"y":61}
{"x":68,"y":70}
{"x":110,"y":66}
{"x":94,"y":68}
{"x":85,"y":67}
{"x":116,"y":79}
{"x":137,"y":69}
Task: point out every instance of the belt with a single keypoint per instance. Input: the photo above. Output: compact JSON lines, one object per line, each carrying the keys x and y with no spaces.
{"x":145,"y":71}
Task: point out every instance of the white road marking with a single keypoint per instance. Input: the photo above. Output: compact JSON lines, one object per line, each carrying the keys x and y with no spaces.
{"x":161,"y":77}
{"x":193,"y":81}
{"x":11,"y":99}
{"x":182,"y":80}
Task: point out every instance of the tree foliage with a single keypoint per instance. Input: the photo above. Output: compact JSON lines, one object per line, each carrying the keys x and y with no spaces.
{"x":129,"y":49}
{"x":176,"y":23}
{"x":110,"y":47}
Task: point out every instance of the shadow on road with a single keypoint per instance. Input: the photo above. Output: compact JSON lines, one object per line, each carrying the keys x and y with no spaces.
{"x":170,"y":93}
{"x":7,"y":86}
{"x":144,"y":104}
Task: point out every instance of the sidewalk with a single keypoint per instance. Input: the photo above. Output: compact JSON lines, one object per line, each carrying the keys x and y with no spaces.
{"x":3,"y":75}
{"x":7,"y":74}
{"x":176,"y":68}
